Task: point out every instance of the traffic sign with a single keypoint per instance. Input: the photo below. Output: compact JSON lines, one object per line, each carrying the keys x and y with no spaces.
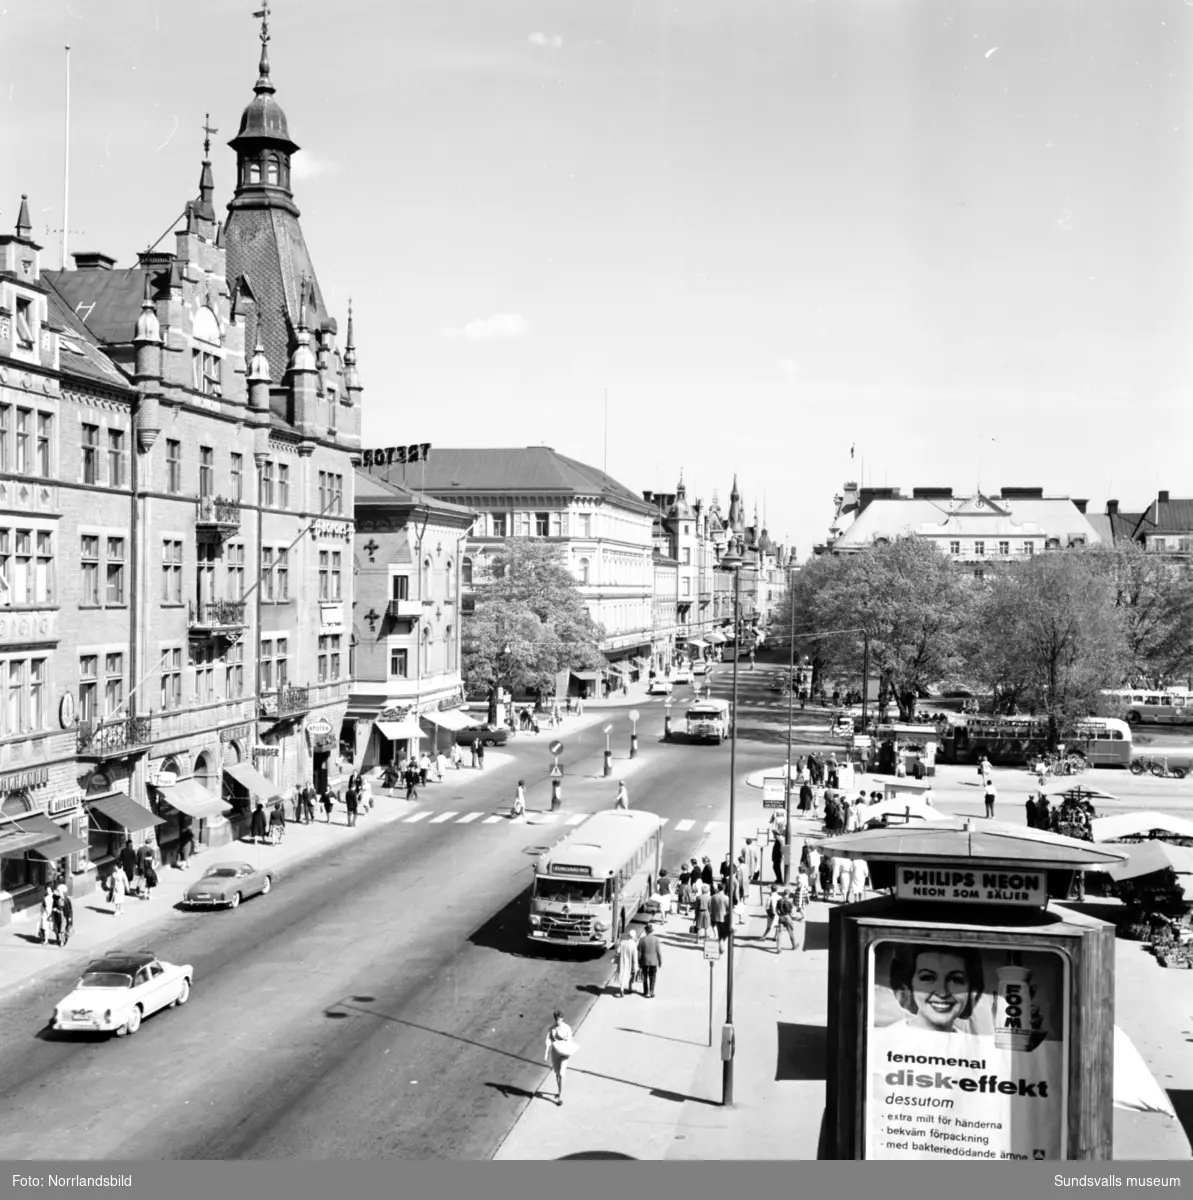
{"x":712,"y":947}
{"x":556,"y":747}
{"x":556,"y":773}
{"x":607,"y":729}
{"x":634,"y":714}
{"x":773,"y":792}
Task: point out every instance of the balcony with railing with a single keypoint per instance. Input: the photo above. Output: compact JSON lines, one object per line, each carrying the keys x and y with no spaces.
{"x":285,"y":702}
{"x":406,"y":610}
{"x":223,"y":618}
{"x":218,"y":516}
{"x":113,"y":739}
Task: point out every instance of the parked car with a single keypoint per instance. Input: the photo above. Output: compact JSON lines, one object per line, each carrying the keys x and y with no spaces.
{"x":487,"y":735}
{"x":700,"y":667}
{"x":225,"y":885}
{"x":683,"y":675}
{"x":660,"y":687}
{"x":118,"y":991}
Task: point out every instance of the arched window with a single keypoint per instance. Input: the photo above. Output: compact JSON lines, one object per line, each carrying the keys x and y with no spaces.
{"x":583,"y":572}
{"x":466,"y":572}
{"x":271,"y":169}
{"x":425,"y":593}
{"x":449,"y":580}
{"x":254,"y":173}
{"x":426,"y":649}
{"x":451,"y":648}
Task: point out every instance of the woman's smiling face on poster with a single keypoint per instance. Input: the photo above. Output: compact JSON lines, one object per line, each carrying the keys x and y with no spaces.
{"x":940,"y":987}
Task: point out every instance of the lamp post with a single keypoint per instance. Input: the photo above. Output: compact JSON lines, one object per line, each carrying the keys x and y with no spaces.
{"x":790,"y":720}
{"x":731,"y":561}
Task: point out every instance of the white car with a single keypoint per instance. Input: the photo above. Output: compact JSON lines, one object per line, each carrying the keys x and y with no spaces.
{"x":660,"y":687}
{"x":118,"y":991}
{"x":700,"y":668}
{"x":683,"y":675}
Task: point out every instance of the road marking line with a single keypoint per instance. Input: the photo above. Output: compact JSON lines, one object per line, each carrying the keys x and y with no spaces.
{"x":546,"y":818}
{"x":447,"y":816}
{"x":492,"y":820}
{"x":663,"y":821}
{"x":577,"y":819}
{"x":415,"y":817}
{"x":468,"y":817}
{"x":711,"y":826}
{"x":683,"y":826}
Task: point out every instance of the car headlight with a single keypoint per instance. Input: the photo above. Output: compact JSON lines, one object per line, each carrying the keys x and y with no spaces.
{"x":536,"y":920}
{"x":601,"y":925}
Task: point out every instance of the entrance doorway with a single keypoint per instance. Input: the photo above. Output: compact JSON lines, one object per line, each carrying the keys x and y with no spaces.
{"x":320,"y":771}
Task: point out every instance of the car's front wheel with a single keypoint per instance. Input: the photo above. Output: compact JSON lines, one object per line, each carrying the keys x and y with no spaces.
{"x":184,"y":993}
{"x":132,"y":1024}
{"x":235,"y":901}
{"x":266,"y":886}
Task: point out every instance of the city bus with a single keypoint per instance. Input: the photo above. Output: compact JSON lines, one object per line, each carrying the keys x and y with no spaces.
{"x":710,"y":721}
{"x":1015,"y":741}
{"x":589,"y":886}
{"x":1168,"y":706}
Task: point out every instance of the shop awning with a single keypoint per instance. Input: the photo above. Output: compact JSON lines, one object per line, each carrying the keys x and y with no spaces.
{"x":252,"y":781}
{"x":715,"y":637}
{"x":451,"y":718}
{"x":63,"y":844}
{"x":695,"y":642}
{"x":191,"y":797}
{"x":124,"y":811}
{"x":618,"y":669}
{"x":15,"y":839}
{"x":400,"y":731}
{"x":587,"y":675}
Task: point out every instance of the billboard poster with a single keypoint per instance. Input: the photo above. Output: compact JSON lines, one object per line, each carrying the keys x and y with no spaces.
{"x":966,"y":1051}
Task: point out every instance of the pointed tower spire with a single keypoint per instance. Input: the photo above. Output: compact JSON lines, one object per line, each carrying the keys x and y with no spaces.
{"x":264,"y":84}
{"x":203,"y":206}
{"x":352,"y":382}
{"x":148,"y":329}
{"x":24,"y":225}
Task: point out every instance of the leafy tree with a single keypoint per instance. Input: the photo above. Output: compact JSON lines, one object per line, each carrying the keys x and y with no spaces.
{"x":529,"y":623}
{"x":1155,"y":595}
{"x":1049,"y":634}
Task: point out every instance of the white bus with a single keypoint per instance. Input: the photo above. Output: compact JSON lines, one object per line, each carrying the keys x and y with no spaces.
{"x":589,"y":886}
{"x":1168,"y":706}
{"x":710,"y":721}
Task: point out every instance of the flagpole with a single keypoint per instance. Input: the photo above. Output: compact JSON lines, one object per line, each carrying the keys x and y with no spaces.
{"x":66,"y":167}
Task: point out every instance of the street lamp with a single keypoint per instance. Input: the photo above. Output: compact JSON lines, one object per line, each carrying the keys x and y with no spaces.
{"x":790,"y":720}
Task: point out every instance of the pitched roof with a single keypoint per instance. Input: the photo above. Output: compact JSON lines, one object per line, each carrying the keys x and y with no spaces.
{"x":373,"y":489}
{"x":81,"y":355}
{"x":1123,"y":525}
{"x":1167,"y":516}
{"x":513,"y":469}
{"x":107,"y":302}
{"x":1102,"y":524}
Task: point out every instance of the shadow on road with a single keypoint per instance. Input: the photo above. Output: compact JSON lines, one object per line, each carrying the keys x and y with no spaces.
{"x":1182,"y":1103}
{"x":587,"y":1155}
{"x":661,"y":1036}
{"x":510,"y":1091}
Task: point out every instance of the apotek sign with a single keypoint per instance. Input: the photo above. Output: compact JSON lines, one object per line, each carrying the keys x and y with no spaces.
{"x":951,"y":885}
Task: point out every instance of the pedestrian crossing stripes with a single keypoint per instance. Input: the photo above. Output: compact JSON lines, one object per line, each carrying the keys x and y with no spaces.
{"x":415,"y":817}
{"x":468,"y":817}
{"x":446,"y":816}
{"x":492,"y":820}
{"x":577,"y":819}
{"x":683,"y":826}
{"x":532,"y":818}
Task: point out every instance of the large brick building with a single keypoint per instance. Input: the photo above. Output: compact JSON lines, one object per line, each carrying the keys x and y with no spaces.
{"x":186,"y":431}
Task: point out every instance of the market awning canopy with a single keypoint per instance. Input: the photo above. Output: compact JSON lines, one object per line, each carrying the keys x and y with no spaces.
{"x":399,"y":731}
{"x":62,"y":844}
{"x":618,"y":669}
{"x":451,"y":718}
{"x":252,"y":781}
{"x":695,"y":642}
{"x":15,"y":839}
{"x":586,"y":675}
{"x":191,"y":797}
{"x":1146,"y":857}
{"x":716,"y":637}
{"x":124,"y":811}
{"x":1137,"y":824}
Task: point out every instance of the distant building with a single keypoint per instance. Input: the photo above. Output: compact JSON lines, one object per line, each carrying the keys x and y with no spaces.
{"x":1166,"y":527}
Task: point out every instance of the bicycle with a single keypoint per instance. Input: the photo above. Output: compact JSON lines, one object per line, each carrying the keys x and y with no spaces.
{"x":1158,"y":767}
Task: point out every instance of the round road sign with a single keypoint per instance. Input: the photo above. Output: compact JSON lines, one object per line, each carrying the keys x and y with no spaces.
{"x":634,"y":714}
{"x":556,"y":747}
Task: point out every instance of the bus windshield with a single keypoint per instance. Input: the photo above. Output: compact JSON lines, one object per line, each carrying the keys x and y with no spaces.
{"x":573,"y":891}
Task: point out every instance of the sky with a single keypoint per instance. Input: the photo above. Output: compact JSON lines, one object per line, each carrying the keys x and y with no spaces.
{"x":902,"y":242}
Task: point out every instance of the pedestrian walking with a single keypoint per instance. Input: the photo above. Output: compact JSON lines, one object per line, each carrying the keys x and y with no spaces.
{"x":1031,"y":812}
{"x":480,"y":755}
{"x":650,"y":959}
{"x":859,"y":881}
{"x":128,"y":860}
{"x":785,"y":922}
{"x":424,"y":768}
{"x":352,"y":803}
{"x":147,"y":864}
{"x":991,"y":795}
{"x":412,"y":778}
{"x":117,"y":890}
{"x":776,"y":858}
{"x":840,"y":873}
{"x":519,"y":809}
{"x":803,"y":890}
{"x":626,"y":955}
{"x":475,"y":755}
{"x":440,"y":765}
{"x":703,"y":902}
{"x":771,"y":914}
{"x":706,"y":877}
{"x":64,"y":915}
{"x":623,"y":797}
{"x":328,"y":803}
{"x":720,"y":913}
{"x":45,"y":924}
{"x":814,"y":857}
{"x":366,"y":794}
{"x":257,"y":823}
{"x":560,"y":1048}
{"x":186,"y":845}
{"x":457,"y":756}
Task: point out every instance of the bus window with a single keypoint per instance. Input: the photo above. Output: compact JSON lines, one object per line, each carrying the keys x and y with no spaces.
{"x":1118,"y":735}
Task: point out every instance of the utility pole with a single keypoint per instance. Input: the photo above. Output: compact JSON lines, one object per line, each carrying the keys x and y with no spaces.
{"x":790,"y":720}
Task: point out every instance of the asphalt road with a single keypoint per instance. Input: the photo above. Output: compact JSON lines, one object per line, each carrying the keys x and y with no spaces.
{"x":383,"y":1003}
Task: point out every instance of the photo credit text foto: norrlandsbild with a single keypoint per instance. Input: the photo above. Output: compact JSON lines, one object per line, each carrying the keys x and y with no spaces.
{"x":72,"y":1181}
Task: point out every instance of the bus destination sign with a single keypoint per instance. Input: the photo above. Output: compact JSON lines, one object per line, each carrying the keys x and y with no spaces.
{"x":569,"y":869}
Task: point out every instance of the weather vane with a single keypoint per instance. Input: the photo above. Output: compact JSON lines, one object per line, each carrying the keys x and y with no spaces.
{"x":262,"y":14}
{"x":208,"y":130}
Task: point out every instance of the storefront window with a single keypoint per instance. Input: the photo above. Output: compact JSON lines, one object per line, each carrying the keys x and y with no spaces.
{"x":29,"y":871}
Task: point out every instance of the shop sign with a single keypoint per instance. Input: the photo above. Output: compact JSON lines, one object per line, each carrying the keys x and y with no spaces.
{"x":331,"y":617}
{"x":966,"y":1051}
{"x":61,"y":804}
{"x":161,"y":779}
{"x":20,"y":780}
{"x":66,"y":710}
{"x":331,"y":531}
{"x":236,"y":733}
{"x":319,"y":727}
{"x":966,"y":885}
{"x":417,"y":452}
{"x":265,"y":752}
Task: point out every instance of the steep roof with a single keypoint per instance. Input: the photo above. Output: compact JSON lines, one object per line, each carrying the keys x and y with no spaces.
{"x":108,"y":303}
{"x":81,"y":355}
{"x":1103,"y":526}
{"x":1167,"y":516}
{"x":1123,"y":525}
{"x":371,"y":488}
{"x":512,"y":469}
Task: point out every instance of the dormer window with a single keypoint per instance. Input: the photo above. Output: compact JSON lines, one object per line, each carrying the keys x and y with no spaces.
{"x":254,"y":173}
{"x":206,"y":364}
{"x":271,"y":170}
{"x":25,"y":321}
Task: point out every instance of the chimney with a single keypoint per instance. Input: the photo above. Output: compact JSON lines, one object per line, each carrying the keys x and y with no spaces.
{"x":1022,"y":493}
{"x":932,"y":493}
{"x":155,"y":258}
{"x":1163,"y":497}
{"x":1112,"y":508}
{"x":1079,"y":505}
{"x":93,"y":260}
{"x":647,"y":496}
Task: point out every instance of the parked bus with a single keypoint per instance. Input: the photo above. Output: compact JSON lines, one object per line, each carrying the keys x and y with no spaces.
{"x":710,"y":721}
{"x":1014,"y":741}
{"x":589,"y":886}
{"x":1141,"y":707}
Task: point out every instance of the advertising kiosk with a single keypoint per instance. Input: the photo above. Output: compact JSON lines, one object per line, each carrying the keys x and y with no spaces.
{"x":969,"y":1017}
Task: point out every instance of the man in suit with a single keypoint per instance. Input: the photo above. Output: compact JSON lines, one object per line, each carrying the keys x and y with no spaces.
{"x":650,"y":959}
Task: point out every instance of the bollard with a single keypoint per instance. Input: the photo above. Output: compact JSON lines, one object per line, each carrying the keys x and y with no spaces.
{"x":555,"y":795}
{"x":608,"y":763}
{"x":633,"y":745}
{"x":667,"y":726}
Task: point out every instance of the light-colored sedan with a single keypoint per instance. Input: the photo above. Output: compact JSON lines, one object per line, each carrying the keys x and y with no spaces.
{"x":660,"y":687}
{"x":683,"y":675}
{"x":225,"y":885}
{"x":118,"y":991}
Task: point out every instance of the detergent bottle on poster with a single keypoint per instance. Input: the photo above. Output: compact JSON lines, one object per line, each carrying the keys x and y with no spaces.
{"x":1015,"y":1015}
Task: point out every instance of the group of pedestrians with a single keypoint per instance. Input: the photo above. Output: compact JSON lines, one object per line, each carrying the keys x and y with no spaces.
{"x":57,"y":916}
{"x":135,"y":874}
{"x":638,"y":959}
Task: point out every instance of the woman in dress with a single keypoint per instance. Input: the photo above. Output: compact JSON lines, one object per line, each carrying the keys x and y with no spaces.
{"x":703,"y":912}
{"x":558,"y":1050}
{"x":626,"y":954}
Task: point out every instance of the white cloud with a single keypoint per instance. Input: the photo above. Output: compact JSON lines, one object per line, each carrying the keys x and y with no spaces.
{"x":305,"y":165}
{"x":499,"y":325}
{"x":547,"y":41}
{"x":790,"y":368}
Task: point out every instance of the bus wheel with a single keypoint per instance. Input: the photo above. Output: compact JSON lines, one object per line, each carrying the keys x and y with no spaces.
{"x":1133,"y":718}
